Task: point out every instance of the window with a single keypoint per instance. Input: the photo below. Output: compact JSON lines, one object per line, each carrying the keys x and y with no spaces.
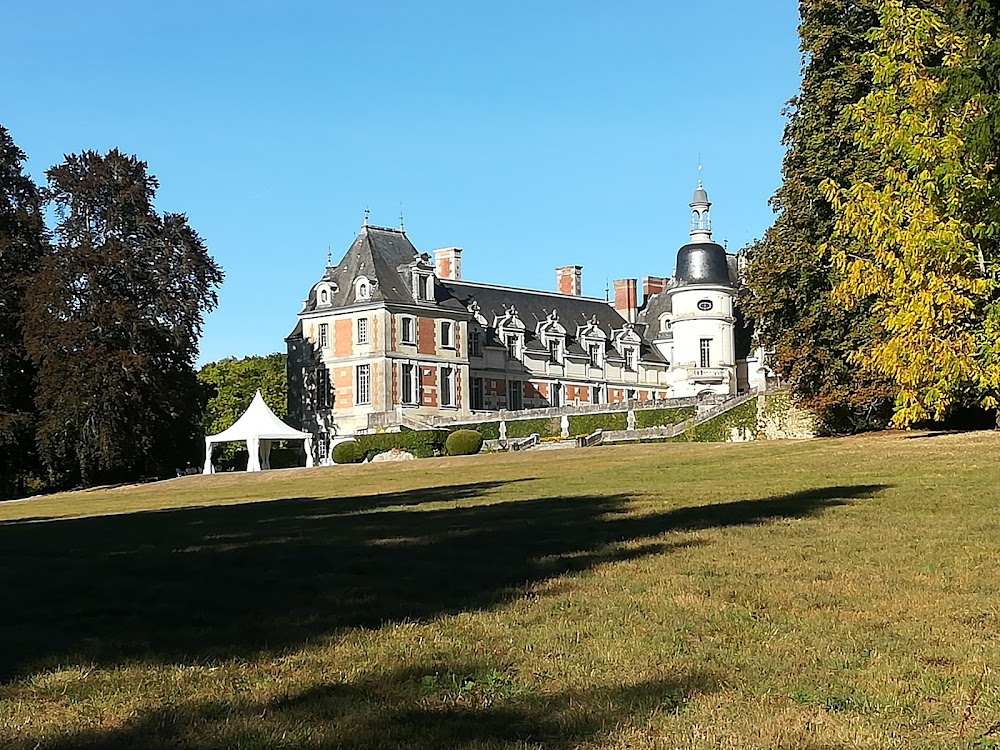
{"x":706,"y":352}
{"x":595,"y":394}
{"x":409,"y":384}
{"x":324,"y":297}
{"x":321,"y":447}
{"x":553,"y":350}
{"x":475,"y":343}
{"x":515,"y":400}
{"x":705,"y":305}
{"x":629,"y":359}
{"x":363,"y":291}
{"x":555,"y":393}
{"x":362,"y":330}
{"x":630,"y":394}
{"x":594,"y":350}
{"x":512,"y":347}
{"x":324,"y":394}
{"x":446,"y":337}
{"x":447,"y":386}
{"x":477,"y":393}
{"x":407,"y":331}
{"x":363,"y":384}
{"x":324,"y":335}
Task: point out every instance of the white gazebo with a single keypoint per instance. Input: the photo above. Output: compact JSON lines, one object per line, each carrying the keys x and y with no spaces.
{"x":258,"y":427}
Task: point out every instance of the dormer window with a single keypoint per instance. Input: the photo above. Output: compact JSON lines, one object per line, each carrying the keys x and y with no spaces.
{"x":362,"y":288}
{"x":665,"y":323}
{"x":594,"y":353}
{"x":324,"y":297}
{"x":555,"y":351}
{"x":513,"y":346}
{"x":629,"y":353}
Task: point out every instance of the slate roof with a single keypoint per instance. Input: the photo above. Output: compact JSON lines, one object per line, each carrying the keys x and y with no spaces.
{"x":377,"y":252}
{"x":534,"y":307}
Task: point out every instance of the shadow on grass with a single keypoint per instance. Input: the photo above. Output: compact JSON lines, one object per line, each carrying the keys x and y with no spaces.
{"x":422,"y":708}
{"x":204,"y":583}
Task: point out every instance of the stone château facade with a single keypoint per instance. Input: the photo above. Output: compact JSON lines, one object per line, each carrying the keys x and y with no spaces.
{"x":389,"y":332}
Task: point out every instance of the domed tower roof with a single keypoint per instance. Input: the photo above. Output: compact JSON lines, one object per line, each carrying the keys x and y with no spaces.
{"x":702,"y":263}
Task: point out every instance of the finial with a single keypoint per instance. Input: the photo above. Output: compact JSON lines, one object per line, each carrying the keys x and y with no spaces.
{"x":368,"y":212}
{"x":329,"y":257}
{"x":699,"y":170}
{"x":401,"y":227}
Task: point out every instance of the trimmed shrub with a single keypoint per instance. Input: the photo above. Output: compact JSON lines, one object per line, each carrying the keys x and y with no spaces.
{"x":346,"y":452}
{"x":464,"y":443}
{"x":421,"y":443}
{"x":489,"y":430}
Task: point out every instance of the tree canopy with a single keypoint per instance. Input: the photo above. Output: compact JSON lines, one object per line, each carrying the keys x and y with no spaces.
{"x":112,"y":323}
{"x":788,"y":292}
{"x":917,"y":247}
{"x":232,"y":383}
{"x":22,"y":239}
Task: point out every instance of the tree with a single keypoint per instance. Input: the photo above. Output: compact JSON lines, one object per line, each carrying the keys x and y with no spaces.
{"x":22,"y":237}
{"x":788,"y":292}
{"x":112,"y":324}
{"x":925,"y":234}
{"x":233,"y":382}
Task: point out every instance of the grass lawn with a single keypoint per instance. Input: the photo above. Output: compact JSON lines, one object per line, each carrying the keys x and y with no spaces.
{"x":819,"y":594}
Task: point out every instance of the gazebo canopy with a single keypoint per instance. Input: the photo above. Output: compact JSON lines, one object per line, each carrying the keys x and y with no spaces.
{"x":257,"y":427}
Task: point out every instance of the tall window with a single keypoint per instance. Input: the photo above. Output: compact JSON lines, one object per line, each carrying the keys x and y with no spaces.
{"x":475,"y":343}
{"x":594,"y":350}
{"x":406,"y":334}
{"x":324,"y":393}
{"x":629,"y":359}
{"x":321,"y":447}
{"x":553,"y":350}
{"x":555,"y":394}
{"x":515,"y":401}
{"x":512,"y":347}
{"x":477,"y":393}
{"x":363,"y":384}
{"x":362,"y":330}
{"x":409,"y":384}
{"x":706,"y":352}
{"x":595,"y":394}
{"x":324,"y":335}
{"x":446,"y":334}
{"x":447,"y":386}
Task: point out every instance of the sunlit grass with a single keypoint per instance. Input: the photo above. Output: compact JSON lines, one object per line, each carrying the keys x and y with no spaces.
{"x":817,"y":594}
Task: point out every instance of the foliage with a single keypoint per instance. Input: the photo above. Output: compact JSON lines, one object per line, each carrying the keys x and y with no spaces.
{"x":421,"y":443}
{"x":788,"y":285}
{"x":230,"y":386}
{"x":489,"y":430}
{"x":926,"y":267}
{"x":719,"y":429}
{"x":587,"y":424}
{"x":663,"y":417}
{"x":545,"y":427}
{"x":464,"y":443}
{"x":346,"y":453}
{"x":112,"y":324}
{"x":22,"y":238}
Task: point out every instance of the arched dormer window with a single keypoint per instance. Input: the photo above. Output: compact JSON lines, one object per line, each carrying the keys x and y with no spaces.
{"x":665,"y":323}
{"x":362,"y":288}
{"x":324,"y":293}
{"x":511,"y":332}
{"x":324,"y":297}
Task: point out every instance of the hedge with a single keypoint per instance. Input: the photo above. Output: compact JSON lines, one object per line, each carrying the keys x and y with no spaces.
{"x":587,"y":424}
{"x":464,"y":443}
{"x":719,"y":429}
{"x":421,"y":443}
{"x":346,"y":452}
{"x":663,"y":417}
{"x":545,"y":427}
{"x":489,"y":430}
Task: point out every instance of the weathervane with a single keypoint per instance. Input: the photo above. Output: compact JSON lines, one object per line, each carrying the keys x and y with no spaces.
{"x":368,"y":212}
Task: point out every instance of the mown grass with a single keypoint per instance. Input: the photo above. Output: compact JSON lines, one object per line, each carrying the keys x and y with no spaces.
{"x":819,"y":594}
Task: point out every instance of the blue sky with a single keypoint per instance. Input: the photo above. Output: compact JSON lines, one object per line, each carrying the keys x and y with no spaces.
{"x":531,"y":134}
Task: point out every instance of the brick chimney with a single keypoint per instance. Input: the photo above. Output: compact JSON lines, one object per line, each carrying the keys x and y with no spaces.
{"x":626,"y":299}
{"x":448,"y":263}
{"x":569,"y":280}
{"x":652,"y":285}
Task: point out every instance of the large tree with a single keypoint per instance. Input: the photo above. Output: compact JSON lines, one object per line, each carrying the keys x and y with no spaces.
{"x":789,"y":285}
{"x":232,"y":384}
{"x":927,"y":229}
{"x":22,"y":237}
{"x":113,"y":320}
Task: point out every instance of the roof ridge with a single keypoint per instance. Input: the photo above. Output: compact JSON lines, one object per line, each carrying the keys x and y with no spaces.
{"x":524,"y":289}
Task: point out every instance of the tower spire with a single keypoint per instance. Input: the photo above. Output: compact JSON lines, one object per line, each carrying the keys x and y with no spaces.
{"x":701,"y":220}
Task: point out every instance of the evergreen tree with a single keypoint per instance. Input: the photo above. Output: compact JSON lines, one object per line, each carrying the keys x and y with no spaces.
{"x":112,"y":323}
{"x":22,"y":237}
{"x":928,"y":228}
{"x":789,"y":284}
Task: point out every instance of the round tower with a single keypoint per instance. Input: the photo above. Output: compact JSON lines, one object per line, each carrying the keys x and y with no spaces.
{"x":701,"y":303}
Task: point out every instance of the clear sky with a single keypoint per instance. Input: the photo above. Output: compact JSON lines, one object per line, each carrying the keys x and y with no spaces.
{"x":531,"y":134}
